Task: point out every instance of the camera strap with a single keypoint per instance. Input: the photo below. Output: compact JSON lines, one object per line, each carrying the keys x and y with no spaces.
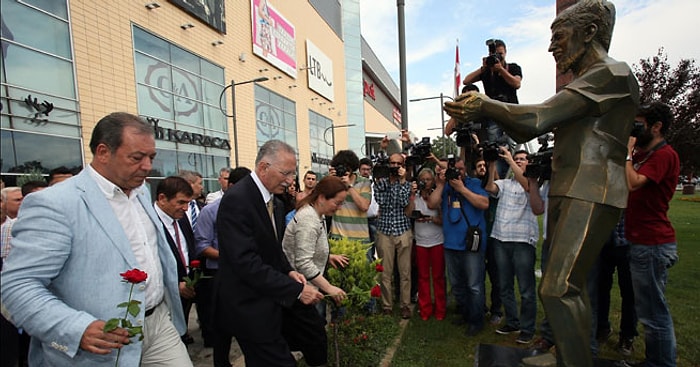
{"x":637,"y":165}
{"x":461,"y":209}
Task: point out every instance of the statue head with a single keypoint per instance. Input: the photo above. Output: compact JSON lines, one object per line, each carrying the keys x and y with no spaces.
{"x":577,"y":28}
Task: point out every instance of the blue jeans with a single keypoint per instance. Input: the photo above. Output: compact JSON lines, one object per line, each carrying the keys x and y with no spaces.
{"x":649,"y":269}
{"x":466,"y":272}
{"x":517,"y":259}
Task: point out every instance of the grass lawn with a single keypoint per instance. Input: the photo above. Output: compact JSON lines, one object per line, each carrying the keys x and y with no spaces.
{"x":439,"y":343}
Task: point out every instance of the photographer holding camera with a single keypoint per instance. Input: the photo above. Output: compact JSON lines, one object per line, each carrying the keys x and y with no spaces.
{"x":394,"y":235}
{"x":350,"y":220}
{"x":462,"y":202}
{"x":515,"y":233}
{"x":501,"y":81}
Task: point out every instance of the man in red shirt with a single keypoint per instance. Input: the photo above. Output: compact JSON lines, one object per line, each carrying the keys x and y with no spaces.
{"x":652,"y":170}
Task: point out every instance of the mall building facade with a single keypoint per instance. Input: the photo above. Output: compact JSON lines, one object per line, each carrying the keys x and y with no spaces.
{"x":216,"y":79}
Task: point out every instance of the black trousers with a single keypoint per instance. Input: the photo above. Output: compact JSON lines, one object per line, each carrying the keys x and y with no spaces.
{"x":304,"y":330}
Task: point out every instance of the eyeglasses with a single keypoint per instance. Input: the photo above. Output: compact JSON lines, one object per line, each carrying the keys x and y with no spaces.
{"x":286,"y":174}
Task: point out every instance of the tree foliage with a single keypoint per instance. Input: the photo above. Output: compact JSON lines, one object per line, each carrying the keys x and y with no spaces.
{"x":444,"y":146}
{"x":679,"y":87}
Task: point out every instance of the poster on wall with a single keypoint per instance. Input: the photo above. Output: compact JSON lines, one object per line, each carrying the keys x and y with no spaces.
{"x":210,"y":12}
{"x":319,"y":71}
{"x":273,"y":37}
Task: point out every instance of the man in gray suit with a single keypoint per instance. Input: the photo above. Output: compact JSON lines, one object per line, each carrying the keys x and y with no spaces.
{"x":69,"y":246}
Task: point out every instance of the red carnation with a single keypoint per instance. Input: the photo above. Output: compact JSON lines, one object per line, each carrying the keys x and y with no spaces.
{"x":379,"y":268}
{"x":376,"y":292}
{"x":134,"y":276}
{"x":194,"y":264}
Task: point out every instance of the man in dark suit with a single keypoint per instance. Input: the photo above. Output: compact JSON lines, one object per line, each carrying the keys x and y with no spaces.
{"x":258,"y":298}
{"x":173,"y":196}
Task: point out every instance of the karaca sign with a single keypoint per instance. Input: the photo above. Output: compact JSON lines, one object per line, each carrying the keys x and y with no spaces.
{"x":186,"y":137}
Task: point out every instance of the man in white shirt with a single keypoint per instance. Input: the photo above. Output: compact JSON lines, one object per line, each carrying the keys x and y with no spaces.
{"x":173,"y":196}
{"x":223,"y":182}
{"x":70,"y":245}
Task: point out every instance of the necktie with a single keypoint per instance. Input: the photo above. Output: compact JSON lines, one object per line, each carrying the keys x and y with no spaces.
{"x":179,"y":244}
{"x":193,"y":213}
{"x":271,"y":213}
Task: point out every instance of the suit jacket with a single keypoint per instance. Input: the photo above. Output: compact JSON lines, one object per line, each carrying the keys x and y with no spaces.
{"x":187,"y":232}
{"x":252,"y":285}
{"x":68,"y":250}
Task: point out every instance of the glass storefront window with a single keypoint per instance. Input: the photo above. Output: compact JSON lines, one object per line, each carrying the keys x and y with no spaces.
{"x":23,"y":152}
{"x":274,"y":118}
{"x":181,"y":90}
{"x":321,"y":141}
{"x":40,"y":118}
{"x":177,"y":85}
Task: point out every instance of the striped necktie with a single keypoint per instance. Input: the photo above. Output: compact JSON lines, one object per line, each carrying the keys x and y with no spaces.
{"x":193,"y":213}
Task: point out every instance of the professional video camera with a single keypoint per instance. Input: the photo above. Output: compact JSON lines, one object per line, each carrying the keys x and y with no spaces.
{"x":418,"y":152}
{"x":381,"y":167}
{"x":452,"y":172}
{"x":493,"y":58}
{"x":637,"y":129}
{"x":464,"y":133}
{"x":540,"y":163}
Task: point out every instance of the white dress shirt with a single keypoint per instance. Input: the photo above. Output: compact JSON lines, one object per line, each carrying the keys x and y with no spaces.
{"x":139,"y":229}
{"x":168,"y":221}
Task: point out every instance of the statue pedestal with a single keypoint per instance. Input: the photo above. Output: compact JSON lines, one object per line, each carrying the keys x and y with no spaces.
{"x":491,"y":355}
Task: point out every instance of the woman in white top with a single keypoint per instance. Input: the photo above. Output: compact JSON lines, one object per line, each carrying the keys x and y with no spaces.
{"x":430,"y":259}
{"x":305,"y":240}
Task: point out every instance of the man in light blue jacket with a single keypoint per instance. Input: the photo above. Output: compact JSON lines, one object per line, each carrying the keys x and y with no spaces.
{"x":71,"y":242}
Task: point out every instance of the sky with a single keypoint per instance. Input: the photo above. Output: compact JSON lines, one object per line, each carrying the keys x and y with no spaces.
{"x":433,"y":27}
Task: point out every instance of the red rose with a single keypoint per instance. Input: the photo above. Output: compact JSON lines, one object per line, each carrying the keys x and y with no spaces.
{"x":134,"y":276}
{"x":376,"y":292}
{"x":379,"y":268}
{"x":194,"y":264}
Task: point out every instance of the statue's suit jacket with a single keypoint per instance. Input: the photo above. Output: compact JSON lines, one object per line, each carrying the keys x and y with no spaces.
{"x":68,"y":249}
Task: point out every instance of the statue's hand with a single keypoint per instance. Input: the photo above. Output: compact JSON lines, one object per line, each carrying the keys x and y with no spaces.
{"x":467,"y":107}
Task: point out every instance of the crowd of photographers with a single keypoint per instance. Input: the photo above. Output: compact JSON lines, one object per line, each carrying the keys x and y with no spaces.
{"x":476,"y":214}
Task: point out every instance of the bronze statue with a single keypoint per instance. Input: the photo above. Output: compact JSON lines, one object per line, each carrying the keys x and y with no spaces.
{"x":591,"y":118}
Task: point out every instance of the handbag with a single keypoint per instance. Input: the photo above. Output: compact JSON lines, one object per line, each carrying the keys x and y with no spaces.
{"x":473,"y":239}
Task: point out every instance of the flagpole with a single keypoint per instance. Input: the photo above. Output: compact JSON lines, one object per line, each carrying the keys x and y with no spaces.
{"x":458,"y":76}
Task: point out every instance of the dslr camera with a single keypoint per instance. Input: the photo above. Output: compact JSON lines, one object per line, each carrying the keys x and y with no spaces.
{"x":452,"y":172}
{"x":637,"y":129}
{"x":341,"y":170}
{"x":493,"y":58}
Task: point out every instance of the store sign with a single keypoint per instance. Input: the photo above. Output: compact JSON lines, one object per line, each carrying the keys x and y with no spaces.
{"x":159,"y":75}
{"x":273,"y":37}
{"x":210,"y":12}
{"x":368,"y":89}
{"x":319,"y":71}
{"x":185,"y":137}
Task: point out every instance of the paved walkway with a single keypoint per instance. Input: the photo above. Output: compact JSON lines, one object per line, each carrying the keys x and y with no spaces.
{"x":202,"y":357}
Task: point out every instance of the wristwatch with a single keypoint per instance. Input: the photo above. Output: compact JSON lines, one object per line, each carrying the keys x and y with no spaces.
{"x":629,"y":158}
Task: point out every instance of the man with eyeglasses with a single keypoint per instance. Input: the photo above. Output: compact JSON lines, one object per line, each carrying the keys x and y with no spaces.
{"x":259,"y":298}
{"x":394,"y":235}
{"x":515,"y":234}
